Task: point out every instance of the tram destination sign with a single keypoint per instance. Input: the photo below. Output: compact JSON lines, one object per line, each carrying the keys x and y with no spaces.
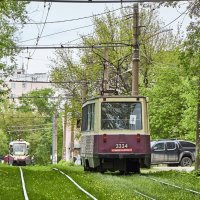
{"x":102,"y":1}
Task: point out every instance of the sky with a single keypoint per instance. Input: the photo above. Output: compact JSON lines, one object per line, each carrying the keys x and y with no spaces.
{"x":37,"y":12}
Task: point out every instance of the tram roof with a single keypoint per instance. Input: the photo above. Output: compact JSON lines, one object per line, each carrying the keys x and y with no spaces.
{"x":117,"y":96}
{"x":19,"y":142}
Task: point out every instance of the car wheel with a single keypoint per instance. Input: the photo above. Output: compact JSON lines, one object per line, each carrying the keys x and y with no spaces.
{"x":186,"y":162}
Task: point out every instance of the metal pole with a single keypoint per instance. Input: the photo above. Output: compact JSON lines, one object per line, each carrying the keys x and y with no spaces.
{"x":135,"y":61}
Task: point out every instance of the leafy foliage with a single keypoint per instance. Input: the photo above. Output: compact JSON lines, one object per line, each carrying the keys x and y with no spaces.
{"x":11,"y":13}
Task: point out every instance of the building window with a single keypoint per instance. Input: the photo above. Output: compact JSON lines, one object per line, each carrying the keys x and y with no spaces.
{"x":13,"y":85}
{"x":23,"y":85}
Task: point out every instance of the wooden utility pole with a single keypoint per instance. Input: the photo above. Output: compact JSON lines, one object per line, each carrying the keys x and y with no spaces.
{"x":54,"y":139}
{"x":135,"y":60}
{"x":197,"y":163}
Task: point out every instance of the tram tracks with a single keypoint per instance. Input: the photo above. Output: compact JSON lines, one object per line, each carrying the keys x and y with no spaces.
{"x":61,"y":172}
{"x":139,"y":191}
{"x":23,"y":184}
{"x":76,"y":184}
{"x":171,"y":185}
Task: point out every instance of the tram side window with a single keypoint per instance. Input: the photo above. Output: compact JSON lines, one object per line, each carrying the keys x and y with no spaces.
{"x":88,"y":118}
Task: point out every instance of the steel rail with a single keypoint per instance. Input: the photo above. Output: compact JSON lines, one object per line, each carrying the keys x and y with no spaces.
{"x":76,"y":184}
{"x":144,"y":195}
{"x":99,"y":1}
{"x":23,"y":184}
{"x":172,"y":185}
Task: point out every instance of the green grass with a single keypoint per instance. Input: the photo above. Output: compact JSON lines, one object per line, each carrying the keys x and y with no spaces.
{"x":113,"y":186}
{"x":43,"y":183}
{"x":10,"y":183}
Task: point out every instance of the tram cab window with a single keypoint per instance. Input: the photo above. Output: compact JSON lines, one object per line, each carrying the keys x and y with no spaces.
{"x":88,"y":118}
{"x":121,"y":115}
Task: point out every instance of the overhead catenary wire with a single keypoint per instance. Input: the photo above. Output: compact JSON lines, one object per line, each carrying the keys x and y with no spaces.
{"x":49,"y":81}
{"x":56,"y":33}
{"x":73,"y":47}
{"x":28,"y":117}
{"x":77,"y":19}
{"x":48,"y":35}
{"x":64,"y":31}
{"x":24,"y":130}
{"x":30,"y":125}
{"x":41,"y":32}
{"x":44,"y":97}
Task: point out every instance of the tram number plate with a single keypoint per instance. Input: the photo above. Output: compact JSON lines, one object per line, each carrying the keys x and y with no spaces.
{"x":121,"y":146}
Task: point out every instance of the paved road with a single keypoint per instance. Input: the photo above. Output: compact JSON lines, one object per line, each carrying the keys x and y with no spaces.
{"x":165,"y":168}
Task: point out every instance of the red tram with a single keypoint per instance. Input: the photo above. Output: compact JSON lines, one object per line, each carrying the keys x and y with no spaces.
{"x":18,"y":153}
{"x":115,"y":134}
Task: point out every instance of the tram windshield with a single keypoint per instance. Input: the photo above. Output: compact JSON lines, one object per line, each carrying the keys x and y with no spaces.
{"x":19,"y":149}
{"x":121,"y":115}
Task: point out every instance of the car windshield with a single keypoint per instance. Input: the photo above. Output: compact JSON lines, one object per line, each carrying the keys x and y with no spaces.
{"x":121,"y":115}
{"x":19,"y":149}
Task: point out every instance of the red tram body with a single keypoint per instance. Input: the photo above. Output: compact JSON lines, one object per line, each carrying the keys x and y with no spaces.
{"x":115,"y":134}
{"x":18,"y":153}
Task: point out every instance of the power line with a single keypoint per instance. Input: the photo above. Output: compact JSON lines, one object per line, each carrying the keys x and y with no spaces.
{"x":185,"y":12}
{"x":73,"y":47}
{"x":99,"y":1}
{"x":30,"y":125}
{"x":47,"y":97}
{"x":48,"y":35}
{"x":23,"y":130}
{"x":48,"y":81}
{"x":40,"y":33}
{"x":68,"y":30}
{"x":76,"y":19}
{"x":28,"y":117}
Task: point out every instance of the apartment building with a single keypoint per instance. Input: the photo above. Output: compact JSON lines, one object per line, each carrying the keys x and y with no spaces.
{"x":22,"y":83}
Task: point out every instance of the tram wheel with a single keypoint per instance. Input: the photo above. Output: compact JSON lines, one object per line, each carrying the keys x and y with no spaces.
{"x":136,"y":167}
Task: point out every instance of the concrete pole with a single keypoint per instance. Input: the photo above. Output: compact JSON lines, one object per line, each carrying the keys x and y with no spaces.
{"x":54,"y":140}
{"x":84,"y":91}
{"x":197,"y":162}
{"x":135,"y":60}
{"x":106,"y":72}
{"x":64,"y":122}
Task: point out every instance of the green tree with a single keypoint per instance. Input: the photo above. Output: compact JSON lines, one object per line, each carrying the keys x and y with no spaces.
{"x":3,"y":144}
{"x":11,"y":13}
{"x":190,"y":60}
{"x":158,"y":68}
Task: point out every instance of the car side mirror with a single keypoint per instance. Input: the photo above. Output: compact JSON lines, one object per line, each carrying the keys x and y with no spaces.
{"x":155,"y":148}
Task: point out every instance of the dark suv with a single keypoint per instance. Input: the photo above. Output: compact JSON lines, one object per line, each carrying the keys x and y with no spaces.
{"x":172,"y":152}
